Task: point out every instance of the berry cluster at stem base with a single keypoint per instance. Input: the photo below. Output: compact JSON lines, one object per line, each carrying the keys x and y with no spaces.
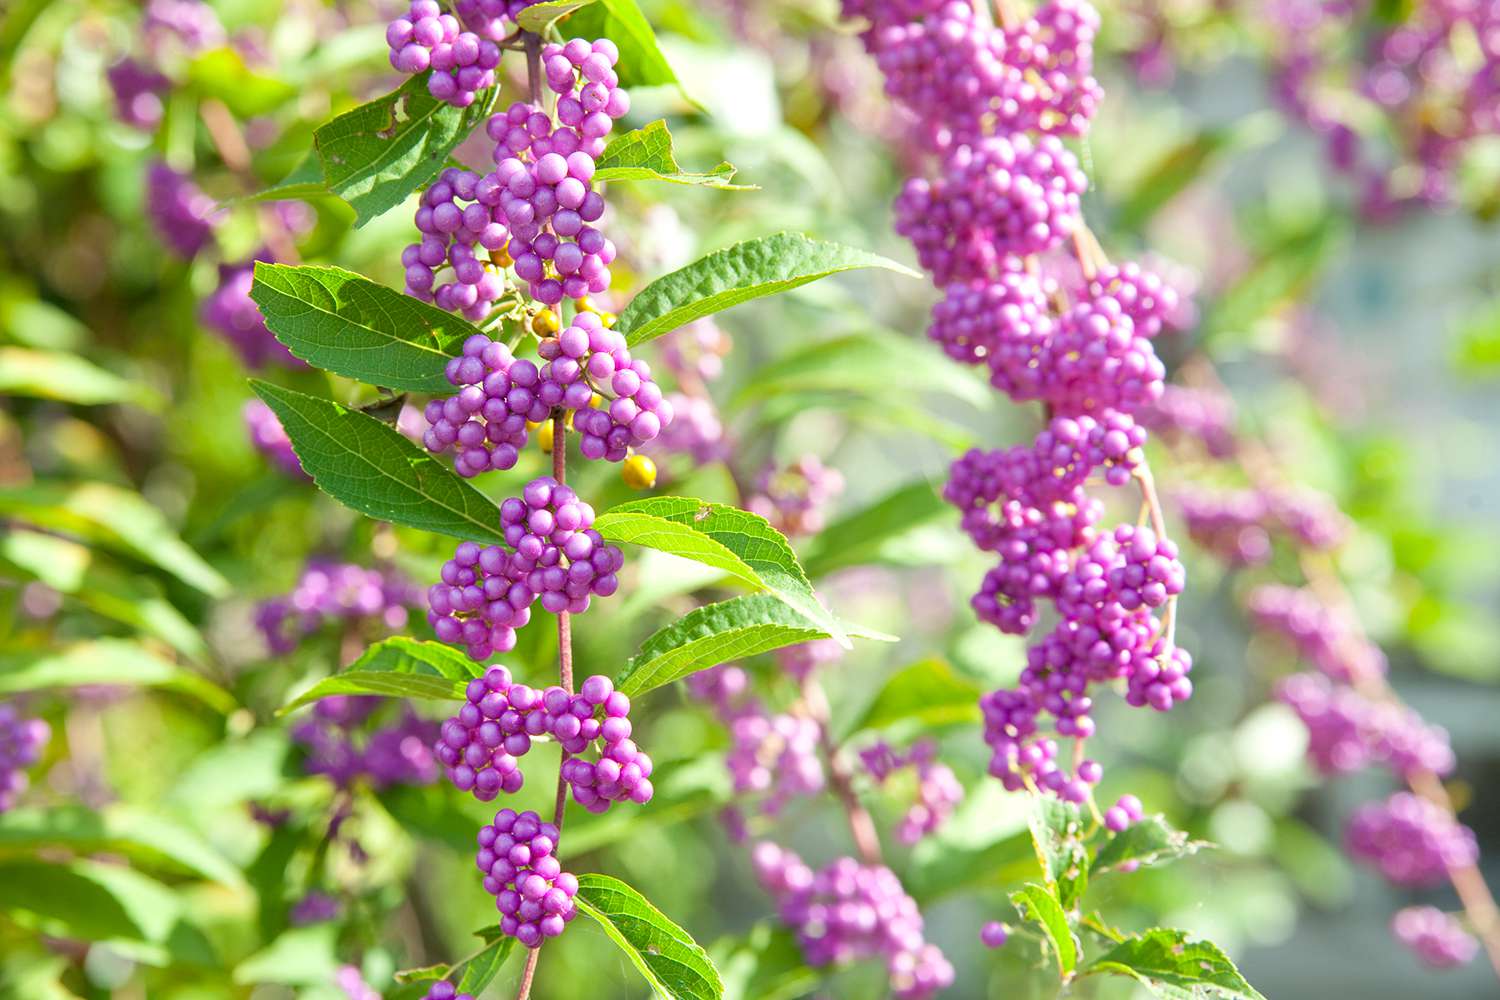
{"x":532,"y":892}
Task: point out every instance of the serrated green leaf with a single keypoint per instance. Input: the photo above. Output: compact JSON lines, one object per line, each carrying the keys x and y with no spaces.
{"x":1037,"y":904}
{"x":369,"y":467}
{"x":114,"y":518}
{"x":666,"y":955}
{"x":642,"y":63}
{"x":928,"y":692}
{"x":67,"y":378}
{"x":717,"y":633}
{"x":646,"y":154}
{"x":106,"y":661}
{"x":1149,"y":842}
{"x":400,"y":667}
{"x":736,"y":541}
{"x":148,"y":839}
{"x":871,"y":363}
{"x":861,"y":537}
{"x":1171,"y":966}
{"x":403,"y":654}
{"x":380,"y":152}
{"x":540,"y":17}
{"x":92,"y":901}
{"x":481,"y":969}
{"x":1057,"y":833}
{"x":738,"y":274}
{"x":341,"y":322}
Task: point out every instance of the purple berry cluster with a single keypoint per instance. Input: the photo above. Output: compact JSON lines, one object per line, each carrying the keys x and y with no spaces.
{"x":517,"y":854}
{"x":396,"y":754}
{"x":183,"y":215}
{"x":1411,"y":841}
{"x":190,"y":25}
{"x":270,"y":438}
{"x":1320,"y":635}
{"x":1123,"y":814}
{"x":938,"y":789}
{"x":552,"y":553}
{"x":482,"y":744}
{"x":1203,"y":416}
{"x":457,"y":221}
{"x":444,"y":990}
{"x":138,"y":90}
{"x":1435,"y":937}
{"x":352,"y":983}
{"x":795,"y":498}
{"x":328,"y":591}
{"x":492,"y":19}
{"x":21,"y":743}
{"x":485,"y":423}
{"x":1004,"y":199}
{"x":847,"y":911}
{"x":230,"y":312}
{"x":315,"y":908}
{"x":805,"y":658}
{"x":1347,"y":731}
{"x":426,"y":38}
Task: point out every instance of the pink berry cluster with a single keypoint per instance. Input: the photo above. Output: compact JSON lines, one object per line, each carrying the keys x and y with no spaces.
{"x":21,"y":743}
{"x":1204,"y":417}
{"x":427,"y":38}
{"x":938,"y":789}
{"x":1320,"y":635}
{"x":1126,"y":811}
{"x":481,"y":745}
{"x":965,"y":76}
{"x":694,"y":355}
{"x":1412,"y":841}
{"x":517,"y":854}
{"x":588,"y":359}
{"x":457,"y":221}
{"x":1347,"y":731}
{"x":485,"y":423}
{"x":805,"y":658}
{"x":230,"y":312}
{"x":1435,"y":937}
{"x":269,"y":438}
{"x":795,"y":497}
{"x":444,"y":990}
{"x":1004,"y":199}
{"x":847,"y":911}
{"x":492,"y":19}
{"x":552,"y":553}
{"x":395,"y":754}
{"x":326,"y":591}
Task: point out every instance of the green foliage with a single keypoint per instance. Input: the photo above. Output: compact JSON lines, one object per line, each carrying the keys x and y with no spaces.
{"x":1038,"y":905}
{"x":380,"y":152}
{"x":67,"y":378}
{"x":928,"y":693}
{"x":1058,"y":834}
{"x":399,"y":667}
{"x":338,"y":321}
{"x":147,"y":840}
{"x":739,"y":542}
{"x":1150,"y":842}
{"x":735,"y":275}
{"x":719,"y":633}
{"x":1172,"y":966}
{"x":646,"y":154}
{"x":666,"y":955}
{"x":369,"y":467}
{"x":106,"y":661}
{"x":871,"y":535}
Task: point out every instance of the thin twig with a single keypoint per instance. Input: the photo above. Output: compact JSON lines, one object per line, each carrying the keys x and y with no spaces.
{"x":230,"y":143}
{"x":861,"y":825}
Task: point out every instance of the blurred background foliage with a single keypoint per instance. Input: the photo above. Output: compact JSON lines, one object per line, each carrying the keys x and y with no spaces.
{"x":138,"y":526}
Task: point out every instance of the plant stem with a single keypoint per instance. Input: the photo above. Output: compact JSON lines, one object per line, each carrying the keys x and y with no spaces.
{"x":230,"y":143}
{"x":861,"y":825}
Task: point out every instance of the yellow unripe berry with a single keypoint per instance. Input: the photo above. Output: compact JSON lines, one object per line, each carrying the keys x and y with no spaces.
{"x":544,"y":323}
{"x":586,"y":305}
{"x":502,"y":256}
{"x":639,"y":472}
{"x":596,"y":401}
{"x":608,"y":318}
{"x":544,"y":437}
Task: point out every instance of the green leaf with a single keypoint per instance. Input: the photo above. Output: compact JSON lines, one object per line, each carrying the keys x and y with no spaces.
{"x":927,"y":692}
{"x":1478,"y":338}
{"x":766,"y":964}
{"x":349,"y":325}
{"x":1149,"y":842}
{"x":106,"y":661}
{"x":738,"y":274}
{"x":85,"y":574}
{"x":114,"y":518}
{"x":378,"y":153}
{"x":146,"y":838}
{"x":871,"y":364}
{"x":403,"y":654}
{"x":399,"y":667}
{"x":540,"y":17}
{"x":481,"y":969}
{"x":668,"y":958}
{"x":368,"y":466}
{"x":621,"y":21}
{"x":943,"y":869}
{"x":391,"y":685}
{"x":304,"y":182}
{"x":1186,"y":162}
{"x":864,"y":535}
{"x":1280,"y":275}
{"x":1171,"y":966}
{"x":736,"y":541}
{"x":67,"y":378}
{"x":717,"y":633}
{"x":1037,"y":904}
{"x":646,"y":154}
{"x":1057,"y":833}
{"x":222,"y":74}
{"x":301,"y":956}
{"x":91,"y":901}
